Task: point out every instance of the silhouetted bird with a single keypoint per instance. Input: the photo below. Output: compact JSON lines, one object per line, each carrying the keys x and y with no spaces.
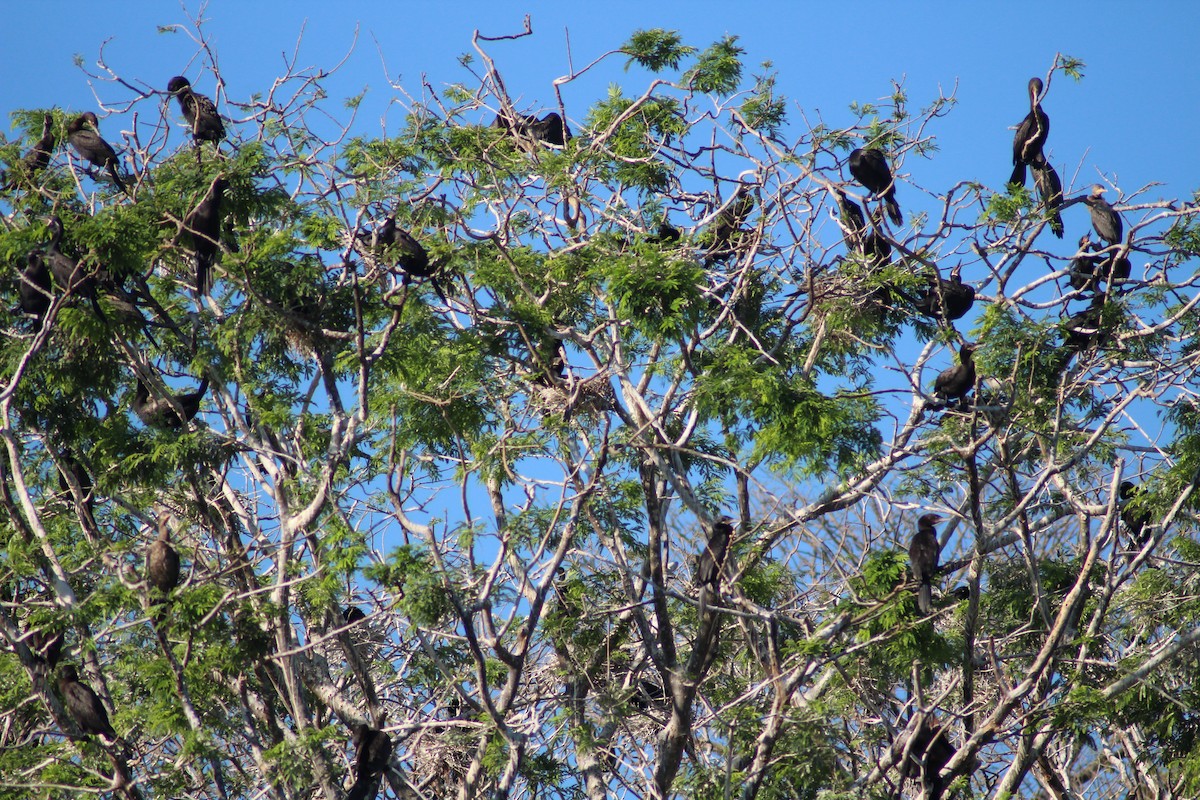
{"x":727,"y":226}
{"x":84,"y":135}
{"x":923,"y":555}
{"x":1105,"y":219}
{"x":1084,"y":329}
{"x":353,"y":614}
{"x":870,"y":168}
{"x":954,"y":383}
{"x":929,"y":753}
{"x":1083,"y":267}
{"x":1118,"y":270}
{"x":47,"y":646}
{"x":667,"y":234}
{"x":853,"y":223}
{"x":374,"y":752}
{"x":69,"y":273}
{"x":711,"y":562}
{"x":198,"y":110}
{"x":550,"y":129}
{"x":161,"y":412}
{"x":1031,"y":135}
{"x":38,"y":156}
{"x":1135,"y":520}
{"x":162,"y":561}
{"x":956,"y":297}
{"x":1050,"y":190}
{"x":34,"y":291}
{"x":83,"y":704}
{"x":647,"y":694}
{"x":204,"y":224}
{"x":69,"y":466}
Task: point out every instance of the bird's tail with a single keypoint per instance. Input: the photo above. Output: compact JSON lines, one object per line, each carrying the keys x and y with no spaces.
{"x":360,"y":789}
{"x":1018,"y":174}
{"x":925,"y":598}
{"x":1056,"y":225}
{"x":893,"y":208}
{"x":112,"y":170}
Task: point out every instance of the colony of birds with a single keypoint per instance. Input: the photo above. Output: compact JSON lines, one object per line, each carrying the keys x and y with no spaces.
{"x":52,"y":278}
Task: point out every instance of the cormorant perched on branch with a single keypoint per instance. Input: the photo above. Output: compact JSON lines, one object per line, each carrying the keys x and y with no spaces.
{"x":84,"y":135}
{"x":1031,"y":135}
{"x":67,"y":272}
{"x":47,"y":646}
{"x":1105,"y":219}
{"x":853,"y":222}
{"x":956,"y":297}
{"x":161,"y":412}
{"x":1135,"y":521}
{"x":353,"y":614}
{"x":954,"y":383}
{"x":1083,"y":329}
{"x":34,"y":291}
{"x":39,"y":155}
{"x":1083,"y":267}
{"x":550,"y":129}
{"x":727,"y":226}
{"x":870,"y":168}
{"x":1050,"y":190}
{"x":198,"y":110}
{"x":930,"y":751}
{"x":374,"y":752}
{"x":204,"y":224}
{"x":407,"y":252}
{"x":162,"y":561}
{"x":83,"y":704}
{"x":923,"y":555}
{"x":711,"y":562}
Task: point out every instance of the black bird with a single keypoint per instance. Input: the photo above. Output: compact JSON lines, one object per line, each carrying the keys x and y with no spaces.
{"x":353,"y":614}
{"x":161,"y":412}
{"x":929,"y":752}
{"x":1105,"y":219}
{"x":727,"y":226}
{"x":956,"y":297}
{"x":84,"y":135}
{"x":550,"y":129}
{"x":162,"y":561}
{"x":1083,"y":267}
{"x":69,"y":467}
{"x":1084,"y":329}
{"x":83,"y":704}
{"x":711,"y":562}
{"x":204,"y":224}
{"x":1118,"y":270}
{"x":374,"y":752}
{"x":34,"y":291}
{"x":47,"y":646}
{"x":198,"y":110}
{"x":853,"y":223}
{"x":870,"y":168}
{"x":923,"y":555}
{"x":39,"y":156}
{"x":953,"y":383}
{"x":408,"y":253}
{"x":667,"y":234}
{"x":1050,"y":190}
{"x":67,"y":272}
{"x":1135,"y":520}
{"x":1031,"y":135}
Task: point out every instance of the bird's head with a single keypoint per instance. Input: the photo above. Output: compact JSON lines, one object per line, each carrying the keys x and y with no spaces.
{"x":178,"y":84}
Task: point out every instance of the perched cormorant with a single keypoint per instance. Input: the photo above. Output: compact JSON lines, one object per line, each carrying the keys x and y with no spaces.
{"x":374,"y":752}
{"x":1135,"y":521}
{"x":84,"y":135}
{"x":953,"y":383}
{"x":198,"y":110}
{"x":1117,"y":270}
{"x":550,"y":129}
{"x":162,"y":561}
{"x":47,"y":646}
{"x":83,"y":704}
{"x":161,"y":413}
{"x":353,"y":614}
{"x":69,"y":466}
{"x":929,"y":752}
{"x":870,"y":168}
{"x":727,"y":226}
{"x":39,"y":155}
{"x":67,"y":272}
{"x":710,"y":563}
{"x":956,"y":297}
{"x":1031,"y":135}
{"x":923,"y":555}
{"x":1083,"y":267}
{"x":204,"y":224}
{"x":34,"y":291}
{"x":1083,"y":329}
{"x":853,"y":222}
{"x":1049,"y":187}
{"x":1105,"y":219}
{"x":667,"y":234}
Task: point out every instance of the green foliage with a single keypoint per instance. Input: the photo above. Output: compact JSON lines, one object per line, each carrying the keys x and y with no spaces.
{"x":718,"y":70}
{"x":656,"y":49}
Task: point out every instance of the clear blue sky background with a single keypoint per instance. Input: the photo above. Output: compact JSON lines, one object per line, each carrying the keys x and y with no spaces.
{"x":1133,"y":117}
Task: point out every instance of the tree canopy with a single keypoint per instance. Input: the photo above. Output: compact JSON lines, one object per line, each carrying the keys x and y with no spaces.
{"x":577,"y":452}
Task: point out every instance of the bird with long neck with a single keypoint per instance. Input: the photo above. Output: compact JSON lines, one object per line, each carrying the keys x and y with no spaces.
{"x":1105,"y":218}
{"x":923,"y":555}
{"x":869,"y":167}
{"x":200,"y":112}
{"x":84,"y":135}
{"x":1031,"y":135}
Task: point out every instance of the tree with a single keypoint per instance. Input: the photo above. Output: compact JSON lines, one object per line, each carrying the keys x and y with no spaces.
{"x":496,"y":391}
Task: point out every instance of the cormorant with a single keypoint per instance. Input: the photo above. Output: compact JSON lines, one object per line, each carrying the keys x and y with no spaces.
{"x":69,"y":466}
{"x":853,"y":222}
{"x":47,"y":646}
{"x":1105,"y":219}
{"x":954,"y":383}
{"x":1135,"y":521}
{"x":374,"y":752}
{"x":68,"y":272}
{"x":550,"y":129}
{"x":1118,"y":270}
{"x":198,"y":110}
{"x":711,"y":562}
{"x":667,"y":234}
{"x":84,"y":135}
{"x":1083,"y":329}
{"x":727,"y":226}
{"x":1049,"y":187}
{"x":204,"y":224}
{"x":83,"y":704}
{"x":34,"y":291}
{"x":161,"y":413}
{"x":162,"y":561}
{"x":923,"y":555}
{"x":1030,"y":136}
{"x":1083,"y":267}
{"x":353,"y":614}
{"x":39,"y":156}
{"x":929,"y":752}
{"x":870,"y":168}
{"x":956,"y":297}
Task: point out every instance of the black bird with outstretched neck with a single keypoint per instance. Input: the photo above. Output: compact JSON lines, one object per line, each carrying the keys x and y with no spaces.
{"x":69,"y":273}
{"x":954,"y":383}
{"x":84,"y":135}
{"x":948,"y":299}
{"x":1031,"y":135}
{"x":162,"y":561}
{"x":203,"y":223}
{"x":38,"y":156}
{"x":83,"y":704}
{"x":869,"y":167}
{"x":852,"y":220}
{"x":711,"y":562}
{"x":1082,"y":269}
{"x":198,"y":110}
{"x":923,"y":554}
{"x":406,"y":253}
{"x":161,"y":413}
{"x":374,"y":749}
{"x":1105,"y":218}
{"x":1135,"y":520}
{"x":1049,"y":187}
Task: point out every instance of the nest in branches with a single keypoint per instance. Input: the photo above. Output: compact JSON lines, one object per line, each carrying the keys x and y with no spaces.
{"x":570,"y":396}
